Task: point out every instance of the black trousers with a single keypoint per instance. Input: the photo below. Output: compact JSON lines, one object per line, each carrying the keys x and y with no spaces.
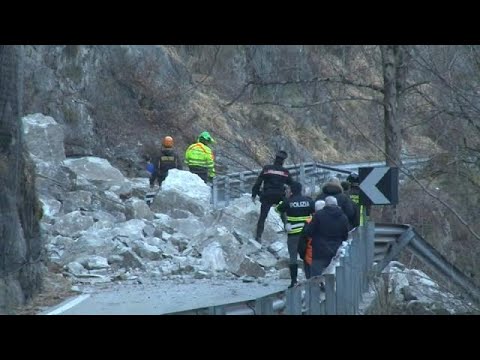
{"x":157,"y":176}
{"x":202,"y":172}
{"x":267,"y":202}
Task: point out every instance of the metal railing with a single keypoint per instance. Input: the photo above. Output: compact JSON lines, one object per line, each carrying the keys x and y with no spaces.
{"x":400,"y":237}
{"x":311,"y":175}
{"x":369,"y":249}
{"x":337,"y":291}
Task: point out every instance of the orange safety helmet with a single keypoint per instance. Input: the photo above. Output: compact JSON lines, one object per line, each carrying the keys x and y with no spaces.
{"x":167,"y":142}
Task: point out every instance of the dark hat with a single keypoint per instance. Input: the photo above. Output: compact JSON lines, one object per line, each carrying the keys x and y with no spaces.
{"x":281,"y":155}
{"x":353,"y":179}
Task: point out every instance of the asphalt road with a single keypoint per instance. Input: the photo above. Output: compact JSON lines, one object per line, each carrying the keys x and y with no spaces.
{"x":155,"y":297}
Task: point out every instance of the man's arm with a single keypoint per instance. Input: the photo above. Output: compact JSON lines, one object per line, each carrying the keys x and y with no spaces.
{"x":289,"y":178}
{"x":281,"y":208}
{"x":256,"y":186}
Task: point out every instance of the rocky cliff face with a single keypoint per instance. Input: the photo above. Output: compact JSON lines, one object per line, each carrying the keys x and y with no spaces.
{"x":20,"y":242}
{"x":116,"y":101}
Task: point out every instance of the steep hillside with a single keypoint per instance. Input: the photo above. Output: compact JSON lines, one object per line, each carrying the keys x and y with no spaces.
{"x":116,"y":100}
{"x":316,"y":102}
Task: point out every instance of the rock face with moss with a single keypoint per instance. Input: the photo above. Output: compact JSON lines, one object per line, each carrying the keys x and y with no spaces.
{"x":20,"y":240}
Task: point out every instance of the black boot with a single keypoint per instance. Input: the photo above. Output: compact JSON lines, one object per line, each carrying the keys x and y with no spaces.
{"x":293,"y":274}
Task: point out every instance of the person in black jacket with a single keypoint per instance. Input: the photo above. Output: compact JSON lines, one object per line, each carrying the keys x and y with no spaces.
{"x":298,"y":210}
{"x":334,"y":188}
{"x":328,"y":229}
{"x":354,"y":194}
{"x":167,"y":160}
{"x":274,"y":178}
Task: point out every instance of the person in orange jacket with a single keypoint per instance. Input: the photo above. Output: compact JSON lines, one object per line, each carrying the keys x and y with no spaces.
{"x":305,"y":244}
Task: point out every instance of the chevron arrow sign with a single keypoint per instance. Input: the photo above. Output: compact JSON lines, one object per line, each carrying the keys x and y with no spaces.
{"x":378,"y":185}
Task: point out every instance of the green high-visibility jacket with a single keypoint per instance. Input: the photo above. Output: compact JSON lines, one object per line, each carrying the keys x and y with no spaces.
{"x":201,"y":155}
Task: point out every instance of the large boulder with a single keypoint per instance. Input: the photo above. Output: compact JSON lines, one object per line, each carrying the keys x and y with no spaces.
{"x":190,"y":227}
{"x":182,"y":190}
{"x":72,"y":224}
{"x":241,"y":216}
{"x":44,"y":141}
{"x":77,"y":200}
{"x":44,"y":138}
{"x":50,"y":206}
{"x":129,"y":231}
{"x":91,"y":242}
{"x":96,"y":171}
{"x":413,"y":292}
{"x":213,"y":257}
{"x":137,"y":209}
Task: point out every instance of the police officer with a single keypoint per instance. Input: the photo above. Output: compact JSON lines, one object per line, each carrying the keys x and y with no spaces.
{"x":274,"y":177}
{"x":298,"y":210}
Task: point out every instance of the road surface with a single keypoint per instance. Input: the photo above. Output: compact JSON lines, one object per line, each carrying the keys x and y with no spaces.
{"x":155,"y":297}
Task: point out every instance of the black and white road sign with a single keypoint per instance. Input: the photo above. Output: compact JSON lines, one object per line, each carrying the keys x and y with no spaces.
{"x":378,"y":185}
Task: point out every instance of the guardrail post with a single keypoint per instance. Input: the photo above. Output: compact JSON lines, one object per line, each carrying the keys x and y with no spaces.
{"x":356,"y":274}
{"x":340,"y":287}
{"x":242,"y":183}
{"x":227,"y":190}
{"x":313,"y":297}
{"x":302,"y":174}
{"x":264,"y":306}
{"x":330,"y":298}
{"x":370,"y":240}
{"x":364,"y":247}
{"x":313,"y":182}
{"x":294,"y":301}
{"x":348,"y":282}
{"x":322,"y":308}
{"x":215,"y":193}
{"x":216,"y":310}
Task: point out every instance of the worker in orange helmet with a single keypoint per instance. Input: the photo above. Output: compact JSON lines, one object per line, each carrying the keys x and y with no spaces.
{"x":167,"y":160}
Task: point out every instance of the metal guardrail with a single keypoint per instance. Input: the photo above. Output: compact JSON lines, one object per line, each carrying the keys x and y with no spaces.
{"x":347,"y":277}
{"x":344,"y":281}
{"x":311,"y":175}
{"x":391,"y":239}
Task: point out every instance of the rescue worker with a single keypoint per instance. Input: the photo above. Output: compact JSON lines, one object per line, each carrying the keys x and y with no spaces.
{"x":167,"y":160}
{"x":274,"y":177}
{"x":354,"y":194}
{"x":200,"y":158}
{"x":295,"y":211}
